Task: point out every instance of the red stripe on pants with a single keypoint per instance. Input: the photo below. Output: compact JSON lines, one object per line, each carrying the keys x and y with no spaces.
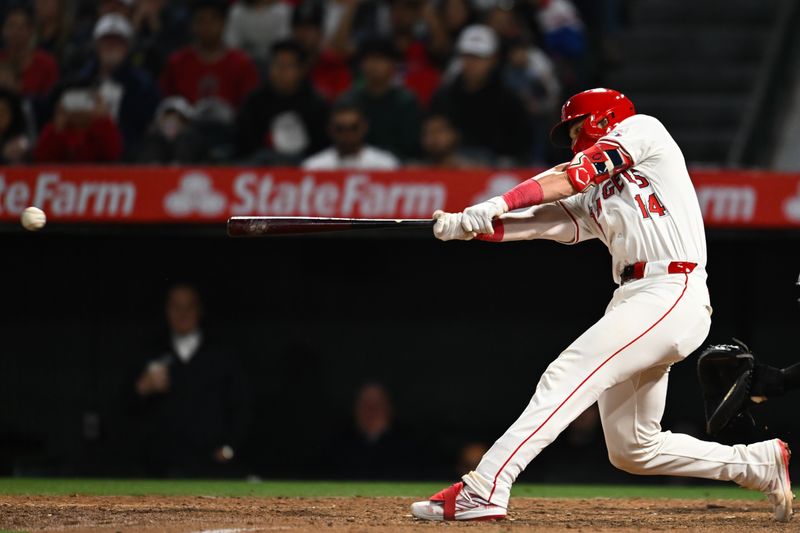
{"x":601,"y":365}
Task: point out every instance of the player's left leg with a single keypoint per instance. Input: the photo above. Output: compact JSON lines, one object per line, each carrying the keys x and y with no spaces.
{"x":648,"y":322}
{"x":631,"y":414}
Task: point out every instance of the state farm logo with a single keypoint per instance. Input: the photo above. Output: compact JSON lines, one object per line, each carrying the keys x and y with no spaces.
{"x":727,"y":203}
{"x":791,"y":207}
{"x":357,"y":195}
{"x":195,"y":195}
{"x":68,"y":198}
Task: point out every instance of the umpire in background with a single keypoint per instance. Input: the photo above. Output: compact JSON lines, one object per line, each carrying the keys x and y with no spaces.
{"x":189,"y":400}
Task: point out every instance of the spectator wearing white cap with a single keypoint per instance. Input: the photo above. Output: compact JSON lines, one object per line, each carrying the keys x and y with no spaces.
{"x":492,"y":119}
{"x":129,"y":93}
{"x":173,"y":137}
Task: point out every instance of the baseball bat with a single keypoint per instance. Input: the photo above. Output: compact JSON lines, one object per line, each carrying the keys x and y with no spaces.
{"x":268,"y":226}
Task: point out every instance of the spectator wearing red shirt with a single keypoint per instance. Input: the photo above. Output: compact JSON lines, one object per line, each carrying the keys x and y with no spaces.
{"x":328,"y":64}
{"x":82,"y":131}
{"x":207,"y":69}
{"x":419,"y":52}
{"x":415,"y":29}
{"x":56,"y":32}
{"x":37,"y":69}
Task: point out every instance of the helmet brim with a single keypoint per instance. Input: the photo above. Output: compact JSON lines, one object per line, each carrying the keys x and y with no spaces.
{"x":559,"y":135}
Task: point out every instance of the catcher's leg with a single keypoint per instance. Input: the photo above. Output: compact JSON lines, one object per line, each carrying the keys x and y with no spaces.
{"x":631,"y":415}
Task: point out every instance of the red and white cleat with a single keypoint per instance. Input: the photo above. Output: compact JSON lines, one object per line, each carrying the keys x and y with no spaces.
{"x":457,"y":502}
{"x":779,"y":490}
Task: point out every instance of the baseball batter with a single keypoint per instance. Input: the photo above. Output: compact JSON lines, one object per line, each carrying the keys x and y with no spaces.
{"x":628,"y":186}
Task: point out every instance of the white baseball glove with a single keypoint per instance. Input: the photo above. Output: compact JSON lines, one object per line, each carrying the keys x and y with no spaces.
{"x":478,"y":218}
{"x":448,"y":227}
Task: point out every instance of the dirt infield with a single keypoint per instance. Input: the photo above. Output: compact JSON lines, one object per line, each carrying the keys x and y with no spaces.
{"x":238,"y":515}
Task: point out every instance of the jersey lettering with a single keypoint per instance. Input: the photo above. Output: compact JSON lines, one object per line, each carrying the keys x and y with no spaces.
{"x":654,"y":206}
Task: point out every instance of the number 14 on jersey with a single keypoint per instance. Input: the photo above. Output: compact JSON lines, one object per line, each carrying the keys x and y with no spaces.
{"x":653,"y":206}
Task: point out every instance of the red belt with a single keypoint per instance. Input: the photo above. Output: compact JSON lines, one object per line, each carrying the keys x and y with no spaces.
{"x":636,"y":270}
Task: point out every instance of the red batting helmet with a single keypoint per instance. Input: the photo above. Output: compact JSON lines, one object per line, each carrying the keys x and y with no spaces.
{"x":592,"y":106}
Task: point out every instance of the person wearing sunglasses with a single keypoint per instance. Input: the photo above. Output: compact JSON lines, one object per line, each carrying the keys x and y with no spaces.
{"x":348,"y":129}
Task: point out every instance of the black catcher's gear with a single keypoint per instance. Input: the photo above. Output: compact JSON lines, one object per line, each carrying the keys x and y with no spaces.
{"x":732,"y":381}
{"x":725,"y":372}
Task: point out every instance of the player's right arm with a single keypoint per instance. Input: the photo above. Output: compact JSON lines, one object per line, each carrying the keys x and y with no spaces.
{"x":635,"y":141}
{"x":549,"y":186}
{"x":558,"y":221}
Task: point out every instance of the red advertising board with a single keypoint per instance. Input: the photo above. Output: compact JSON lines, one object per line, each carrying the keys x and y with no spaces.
{"x":121,"y":194}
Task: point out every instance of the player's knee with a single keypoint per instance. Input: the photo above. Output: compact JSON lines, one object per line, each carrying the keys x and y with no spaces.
{"x":633,"y":456}
{"x":626,"y":461}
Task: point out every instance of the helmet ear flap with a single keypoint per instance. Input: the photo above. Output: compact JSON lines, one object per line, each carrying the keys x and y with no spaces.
{"x":559,"y":135}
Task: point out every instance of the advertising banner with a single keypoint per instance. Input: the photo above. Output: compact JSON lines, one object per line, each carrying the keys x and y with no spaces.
{"x":163,"y":195}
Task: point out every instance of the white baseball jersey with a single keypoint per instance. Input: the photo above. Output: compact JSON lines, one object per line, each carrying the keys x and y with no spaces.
{"x":649,"y":212}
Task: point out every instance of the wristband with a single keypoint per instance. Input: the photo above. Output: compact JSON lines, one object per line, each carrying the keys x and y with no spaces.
{"x":526,"y":194}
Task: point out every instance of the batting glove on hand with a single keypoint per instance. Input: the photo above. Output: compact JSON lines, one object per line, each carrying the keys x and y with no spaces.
{"x":478,"y":218}
{"x":448,"y":227}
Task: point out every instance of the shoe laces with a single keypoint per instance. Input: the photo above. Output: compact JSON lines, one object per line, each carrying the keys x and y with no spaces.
{"x":469,"y":500}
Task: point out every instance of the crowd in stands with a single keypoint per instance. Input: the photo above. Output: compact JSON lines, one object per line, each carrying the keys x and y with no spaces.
{"x":321,"y":84}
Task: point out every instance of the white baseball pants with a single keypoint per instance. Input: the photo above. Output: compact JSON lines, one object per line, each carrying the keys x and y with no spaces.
{"x":622,"y":362}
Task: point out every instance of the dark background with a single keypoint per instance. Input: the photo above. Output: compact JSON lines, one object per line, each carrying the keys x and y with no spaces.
{"x":459,"y":333}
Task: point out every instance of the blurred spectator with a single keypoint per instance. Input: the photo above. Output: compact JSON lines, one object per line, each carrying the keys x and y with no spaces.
{"x":564,"y":34}
{"x":9,"y":80}
{"x":255,"y":25}
{"x":564,"y":38}
{"x":531,"y":75}
{"x":54,"y":29}
{"x":416,"y":22}
{"x":348,"y":130}
{"x":469,"y":457}
{"x":190,"y":399}
{"x":373,"y":448}
{"x":173,"y":137}
{"x":207,"y":69}
{"x":128,"y":92}
{"x":455,"y":16}
{"x":391,"y":110}
{"x":82,"y":131}
{"x":420,"y":37}
{"x":414,"y":28}
{"x":37,"y":69}
{"x":505,"y":23}
{"x":284,"y":120}
{"x":486,"y":112}
{"x":440,"y":145}
{"x":328,"y":65}
{"x":120,"y":7}
{"x":160,"y":27}
{"x":15,"y":144}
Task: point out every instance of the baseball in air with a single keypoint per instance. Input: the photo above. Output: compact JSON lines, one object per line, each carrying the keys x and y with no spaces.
{"x":33,"y":219}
